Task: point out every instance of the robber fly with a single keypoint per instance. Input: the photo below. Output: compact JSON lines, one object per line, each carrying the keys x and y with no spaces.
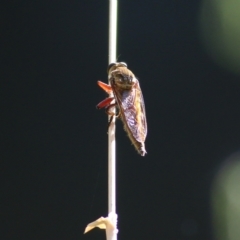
{"x":128,"y":99}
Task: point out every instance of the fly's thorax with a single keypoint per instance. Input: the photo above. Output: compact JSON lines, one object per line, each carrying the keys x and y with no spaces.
{"x":123,"y":78}
{"x":123,"y":82}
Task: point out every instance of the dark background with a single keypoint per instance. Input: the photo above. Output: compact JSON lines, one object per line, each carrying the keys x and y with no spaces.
{"x":54,"y":143}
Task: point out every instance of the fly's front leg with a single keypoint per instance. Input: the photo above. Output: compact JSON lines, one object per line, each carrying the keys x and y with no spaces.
{"x":107,"y":88}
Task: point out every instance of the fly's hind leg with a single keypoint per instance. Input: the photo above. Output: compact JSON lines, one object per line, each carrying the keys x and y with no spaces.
{"x":109,"y":123}
{"x":112,"y":114}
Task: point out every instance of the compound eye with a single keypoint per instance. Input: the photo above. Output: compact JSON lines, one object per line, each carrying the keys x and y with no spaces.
{"x":110,"y":65}
{"x":123,"y":63}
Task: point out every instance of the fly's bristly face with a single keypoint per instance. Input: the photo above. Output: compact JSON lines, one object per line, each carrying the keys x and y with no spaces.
{"x":127,"y":97}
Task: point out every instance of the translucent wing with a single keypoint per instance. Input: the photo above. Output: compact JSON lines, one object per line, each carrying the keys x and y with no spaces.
{"x":131,"y":105}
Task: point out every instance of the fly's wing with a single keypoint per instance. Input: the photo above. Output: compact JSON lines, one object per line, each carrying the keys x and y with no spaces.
{"x":131,"y":105}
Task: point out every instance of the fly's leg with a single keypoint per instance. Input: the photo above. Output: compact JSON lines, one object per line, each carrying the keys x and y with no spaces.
{"x":107,"y":88}
{"x":105,"y":102}
{"x":110,"y":121}
{"x":107,"y":110}
{"x":111,"y":118}
{"x":112,"y":114}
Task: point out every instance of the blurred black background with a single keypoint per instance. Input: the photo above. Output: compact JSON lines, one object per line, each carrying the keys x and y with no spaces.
{"x":54,"y":143}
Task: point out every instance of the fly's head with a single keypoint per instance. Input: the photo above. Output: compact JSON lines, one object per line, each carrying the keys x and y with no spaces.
{"x":120,"y":76}
{"x":114,"y":66}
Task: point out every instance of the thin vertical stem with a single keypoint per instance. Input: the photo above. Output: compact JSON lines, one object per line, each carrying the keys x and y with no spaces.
{"x":111,"y":130}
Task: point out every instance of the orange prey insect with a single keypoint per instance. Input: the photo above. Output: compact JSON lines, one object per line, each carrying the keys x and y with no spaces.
{"x":128,"y":99}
